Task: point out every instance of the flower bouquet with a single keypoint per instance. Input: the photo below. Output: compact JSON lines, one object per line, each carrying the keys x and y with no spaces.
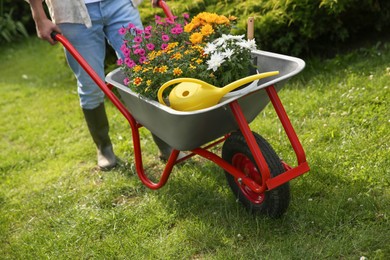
{"x":201,"y":48}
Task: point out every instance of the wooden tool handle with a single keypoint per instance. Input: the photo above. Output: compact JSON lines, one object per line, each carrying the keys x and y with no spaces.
{"x":251,"y":28}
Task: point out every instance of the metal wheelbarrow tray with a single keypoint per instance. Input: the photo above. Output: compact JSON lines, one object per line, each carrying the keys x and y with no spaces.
{"x":255,"y":173}
{"x":188,"y":130}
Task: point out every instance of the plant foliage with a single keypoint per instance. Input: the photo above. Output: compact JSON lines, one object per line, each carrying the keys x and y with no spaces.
{"x":297,"y":26}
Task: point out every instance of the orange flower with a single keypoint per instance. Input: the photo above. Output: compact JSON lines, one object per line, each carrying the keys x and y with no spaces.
{"x":137,"y":68}
{"x":211,"y":17}
{"x":177,"y":56}
{"x":163,"y":69}
{"x":196,"y":38}
{"x":207,"y":30}
{"x":177,"y":71}
{"x":222,"y":20}
{"x":137,"y":81}
{"x":189,"y":27}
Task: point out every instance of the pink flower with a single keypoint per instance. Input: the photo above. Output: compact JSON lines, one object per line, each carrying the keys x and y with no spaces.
{"x":186,"y":16}
{"x":138,"y":39}
{"x":165,"y":37}
{"x":139,"y":31}
{"x":148,"y":29}
{"x":122,"y":31}
{"x":164,"y":46}
{"x":141,"y":52}
{"x":150,"y":46}
{"x":129,"y":62}
{"x":123,"y":46}
{"x":126,"y":52}
{"x":119,"y":62}
{"x":131,"y":26}
{"x":142,"y":59}
{"x":170,"y":21}
{"x":177,"y":30}
{"x":126,"y":81}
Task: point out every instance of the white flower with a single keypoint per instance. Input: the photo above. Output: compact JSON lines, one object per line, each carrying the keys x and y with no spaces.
{"x":228,"y":53}
{"x":210,"y":47}
{"x":219,"y":41}
{"x":250,"y":44}
{"x":215,"y":61}
{"x":235,"y":37}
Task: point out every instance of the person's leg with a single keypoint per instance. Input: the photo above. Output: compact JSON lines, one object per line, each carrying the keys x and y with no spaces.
{"x":121,"y":13}
{"x":90,"y":43}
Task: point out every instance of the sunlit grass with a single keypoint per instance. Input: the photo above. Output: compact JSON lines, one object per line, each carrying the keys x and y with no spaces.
{"x":55,"y":204}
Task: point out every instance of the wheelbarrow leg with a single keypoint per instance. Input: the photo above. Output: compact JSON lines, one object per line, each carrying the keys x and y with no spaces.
{"x":252,"y":144}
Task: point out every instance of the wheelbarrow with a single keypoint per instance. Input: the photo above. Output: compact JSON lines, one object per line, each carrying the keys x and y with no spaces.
{"x":255,"y":173}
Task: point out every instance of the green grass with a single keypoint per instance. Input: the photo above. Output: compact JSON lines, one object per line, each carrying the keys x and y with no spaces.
{"x":55,"y":204}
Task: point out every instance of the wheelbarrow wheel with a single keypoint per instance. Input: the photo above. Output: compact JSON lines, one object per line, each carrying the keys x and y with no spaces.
{"x":236,"y":151}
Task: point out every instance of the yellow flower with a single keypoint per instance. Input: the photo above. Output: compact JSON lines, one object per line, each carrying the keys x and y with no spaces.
{"x":189,"y":27}
{"x":177,"y":56}
{"x":192,"y":67}
{"x":163,"y":69}
{"x":222,"y":20}
{"x":172,"y":45}
{"x":197,"y":21}
{"x":148,"y":82}
{"x":211,"y":18}
{"x":196,"y":38}
{"x":137,"y":81}
{"x":152,"y":55}
{"x":232,"y":18}
{"x":207,"y":30}
{"x":137,"y":68}
{"x":177,"y":71}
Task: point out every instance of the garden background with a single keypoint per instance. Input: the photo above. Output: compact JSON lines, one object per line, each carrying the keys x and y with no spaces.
{"x":55,"y":204}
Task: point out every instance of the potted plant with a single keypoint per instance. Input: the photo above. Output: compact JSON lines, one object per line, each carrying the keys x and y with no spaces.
{"x":202,"y":48}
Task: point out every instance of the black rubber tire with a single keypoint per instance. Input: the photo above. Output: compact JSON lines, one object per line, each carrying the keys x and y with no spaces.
{"x":273,"y":203}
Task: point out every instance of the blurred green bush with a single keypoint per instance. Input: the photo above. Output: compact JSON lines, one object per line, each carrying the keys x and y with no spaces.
{"x":293,"y":27}
{"x":12,"y":26}
{"x":296,"y":27}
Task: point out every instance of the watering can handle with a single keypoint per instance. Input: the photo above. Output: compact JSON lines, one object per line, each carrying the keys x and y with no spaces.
{"x":175,"y":81}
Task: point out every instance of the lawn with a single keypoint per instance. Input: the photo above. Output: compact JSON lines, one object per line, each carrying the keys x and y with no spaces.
{"x":55,"y":204}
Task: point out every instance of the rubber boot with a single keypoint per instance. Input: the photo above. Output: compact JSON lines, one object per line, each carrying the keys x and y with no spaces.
{"x":165,"y":149}
{"x":98,"y":127}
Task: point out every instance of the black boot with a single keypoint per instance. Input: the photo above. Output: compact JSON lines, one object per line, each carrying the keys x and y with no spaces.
{"x":165,"y":149}
{"x":98,"y":127}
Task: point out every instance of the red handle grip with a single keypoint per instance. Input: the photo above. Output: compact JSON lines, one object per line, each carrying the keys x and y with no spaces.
{"x":166,"y":9}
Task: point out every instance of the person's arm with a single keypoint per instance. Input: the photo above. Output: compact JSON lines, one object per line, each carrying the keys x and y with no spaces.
{"x":154,"y":3}
{"x":43,"y":24}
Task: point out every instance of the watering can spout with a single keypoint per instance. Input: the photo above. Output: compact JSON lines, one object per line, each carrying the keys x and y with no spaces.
{"x":192,"y":94}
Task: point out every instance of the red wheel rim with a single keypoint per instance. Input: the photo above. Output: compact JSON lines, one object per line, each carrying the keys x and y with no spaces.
{"x":243,"y":163}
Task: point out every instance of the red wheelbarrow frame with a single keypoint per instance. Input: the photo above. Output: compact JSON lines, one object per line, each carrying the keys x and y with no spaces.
{"x":268,"y":182}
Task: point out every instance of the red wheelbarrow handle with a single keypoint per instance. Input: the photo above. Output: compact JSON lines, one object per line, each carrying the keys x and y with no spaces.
{"x":166,"y":9}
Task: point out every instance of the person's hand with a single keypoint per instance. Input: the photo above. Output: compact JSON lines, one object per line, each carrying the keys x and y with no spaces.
{"x":154,"y":3}
{"x":44,"y":29}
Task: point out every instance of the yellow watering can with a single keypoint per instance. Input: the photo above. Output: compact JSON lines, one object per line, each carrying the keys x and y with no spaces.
{"x":194,"y":94}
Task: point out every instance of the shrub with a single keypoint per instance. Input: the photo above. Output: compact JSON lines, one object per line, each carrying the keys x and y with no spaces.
{"x":296,"y":27}
{"x":9,"y":28}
